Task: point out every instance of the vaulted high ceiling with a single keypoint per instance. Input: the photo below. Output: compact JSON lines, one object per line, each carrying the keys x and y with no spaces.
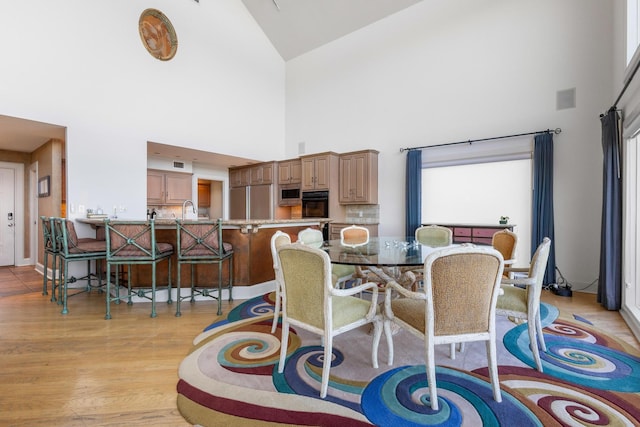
{"x":298,"y":26}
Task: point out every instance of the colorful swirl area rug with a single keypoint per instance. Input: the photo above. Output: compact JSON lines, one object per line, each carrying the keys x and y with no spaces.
{"x":589,"y":379}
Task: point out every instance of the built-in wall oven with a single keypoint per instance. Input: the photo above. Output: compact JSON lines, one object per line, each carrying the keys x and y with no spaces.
{"x":315,"y":204}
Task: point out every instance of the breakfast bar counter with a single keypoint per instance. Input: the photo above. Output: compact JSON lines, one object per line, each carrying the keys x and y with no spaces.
{"x":251,"y":241}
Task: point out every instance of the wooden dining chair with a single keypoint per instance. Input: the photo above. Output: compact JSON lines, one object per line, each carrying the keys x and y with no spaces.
{"x":506,"y":242}
{"x":352,"y":236}
{"x":278,"y":240}
{"x":456,"y":304}
{"x":310,"y":301}
{"x":524,"y":303}
{"x":434,"y":235}
{"x":311,"y":237}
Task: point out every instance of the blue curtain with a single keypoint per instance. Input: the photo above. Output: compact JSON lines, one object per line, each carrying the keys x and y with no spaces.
{"x":413,"y":192}
{"x":610,"y":279}
{"x":542,"y":215}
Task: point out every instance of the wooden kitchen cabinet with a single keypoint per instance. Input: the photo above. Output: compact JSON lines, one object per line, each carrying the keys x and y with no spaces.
{"x":204,"y":195}
{"x":167,"y":188}
{"x":239,"y":177}
{"x":318,"y":171}
{"x":359,"y":177}
{"x":261,"y":173}
{"x":290,"y":172}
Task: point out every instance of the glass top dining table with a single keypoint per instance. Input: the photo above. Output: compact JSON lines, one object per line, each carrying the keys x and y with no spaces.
{"x":380,"y":251}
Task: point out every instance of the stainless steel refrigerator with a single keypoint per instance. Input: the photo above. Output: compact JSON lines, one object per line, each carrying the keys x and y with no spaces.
{"x":252,"y":202}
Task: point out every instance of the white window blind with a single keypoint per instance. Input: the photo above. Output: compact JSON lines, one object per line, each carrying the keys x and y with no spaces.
{"x":498,"y":150}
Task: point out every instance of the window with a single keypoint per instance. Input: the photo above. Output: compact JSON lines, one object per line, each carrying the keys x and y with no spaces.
{"x":633,"y":28}
{"x":481,"y":194}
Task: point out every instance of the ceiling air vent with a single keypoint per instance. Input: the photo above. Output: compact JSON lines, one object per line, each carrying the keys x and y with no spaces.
{"x":178,"y":165}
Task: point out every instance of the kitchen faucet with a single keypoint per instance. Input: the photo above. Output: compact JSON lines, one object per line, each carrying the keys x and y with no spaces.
{"x":184,"y":204}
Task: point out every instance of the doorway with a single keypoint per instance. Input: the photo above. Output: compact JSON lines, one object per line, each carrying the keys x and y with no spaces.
{"x":7,"y":216}
{"x":12,"y":216}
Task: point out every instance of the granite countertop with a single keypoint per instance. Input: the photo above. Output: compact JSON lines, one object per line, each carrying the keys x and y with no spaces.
{"x":228,"y":222}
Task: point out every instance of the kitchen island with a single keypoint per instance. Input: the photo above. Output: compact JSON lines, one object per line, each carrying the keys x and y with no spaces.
{"x":251,"y":241}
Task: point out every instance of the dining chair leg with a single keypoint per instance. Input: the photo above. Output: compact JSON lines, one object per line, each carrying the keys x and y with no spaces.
{"x":377,"y":333}
{"x":543,"y":346}
{"x":276,"y":311}
{"x":492,"y":354}
{"x":533,"y":343}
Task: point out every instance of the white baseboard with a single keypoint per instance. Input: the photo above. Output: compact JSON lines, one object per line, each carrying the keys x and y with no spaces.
{"x":239,"y":292}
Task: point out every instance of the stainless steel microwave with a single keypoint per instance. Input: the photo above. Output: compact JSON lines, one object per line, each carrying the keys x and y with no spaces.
{"x":289,"y":195}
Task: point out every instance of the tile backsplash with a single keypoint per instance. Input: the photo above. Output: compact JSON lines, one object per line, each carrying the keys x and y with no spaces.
{"x":363,"y":214}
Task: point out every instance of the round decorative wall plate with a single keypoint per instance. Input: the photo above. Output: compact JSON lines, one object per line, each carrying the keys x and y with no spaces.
{"x":157,"y":34}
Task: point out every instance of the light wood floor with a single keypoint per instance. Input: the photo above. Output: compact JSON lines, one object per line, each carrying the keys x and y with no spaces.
{"x":81,"y":370}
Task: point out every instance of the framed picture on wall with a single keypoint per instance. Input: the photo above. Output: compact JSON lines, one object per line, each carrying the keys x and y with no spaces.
{"x":43,"y":186}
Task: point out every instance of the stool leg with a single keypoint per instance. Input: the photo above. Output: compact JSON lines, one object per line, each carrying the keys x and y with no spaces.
{"x":88,"y":275}
{"x":44,"y":276}
{"x":64,"y":286}
{"x":107,"y":316}
{"x":193,"y":284}
{"x":169,"y":300}
{"x":231,"y":279}
{"x":153,"y":290}
{"x":178,"y":313}
{"x":129,"y":301}
{"x":54,"y":272}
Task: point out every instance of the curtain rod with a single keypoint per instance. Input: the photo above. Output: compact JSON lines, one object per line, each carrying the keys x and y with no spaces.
{"x":470,"y":141}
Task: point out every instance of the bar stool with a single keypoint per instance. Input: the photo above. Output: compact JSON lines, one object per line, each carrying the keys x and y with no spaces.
{"x":48,"y":248}
{"x":132,"y":243}
{"x":71,"y":249}
{"x":200,"y":242}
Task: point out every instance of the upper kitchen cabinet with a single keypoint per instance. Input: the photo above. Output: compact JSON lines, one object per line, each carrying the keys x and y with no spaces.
{"x":204,"y":194}
{"x":167,"y":188}
{"x":239,"y":177}
{"x":319,"y":171}
{"x":262,"y":173}
{"x":290,"y":172}
{"x":359,"y":177}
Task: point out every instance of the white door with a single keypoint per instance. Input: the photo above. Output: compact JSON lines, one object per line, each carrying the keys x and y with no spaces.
{"x":7,"y":216}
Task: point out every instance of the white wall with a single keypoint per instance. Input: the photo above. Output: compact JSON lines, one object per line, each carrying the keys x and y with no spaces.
{"x":439,"y":71}
{"x":81,"y":64}
{"x":443,"y":71}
